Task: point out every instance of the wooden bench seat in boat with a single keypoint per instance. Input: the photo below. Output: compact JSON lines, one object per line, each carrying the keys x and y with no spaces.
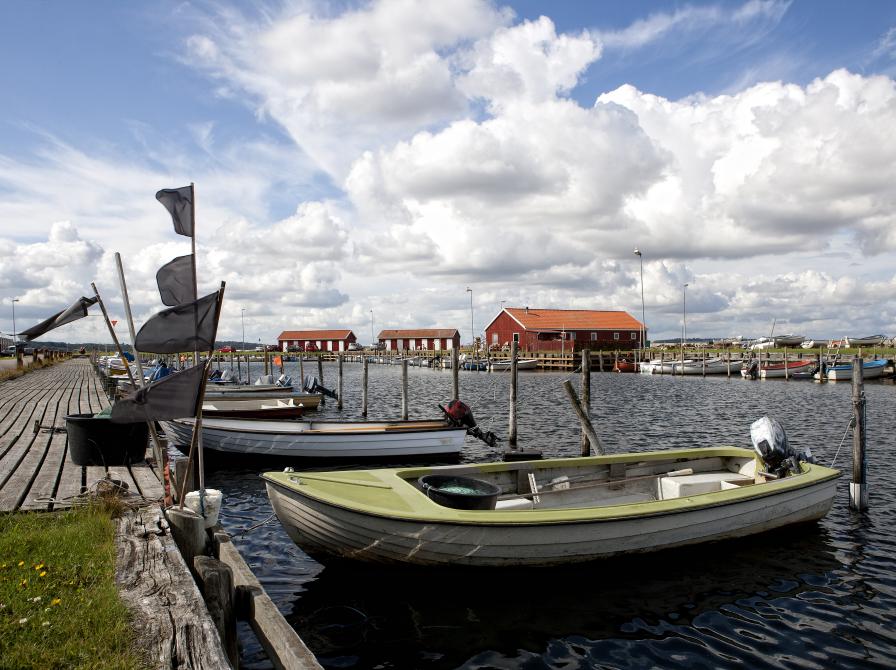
{"x":681,"y":486}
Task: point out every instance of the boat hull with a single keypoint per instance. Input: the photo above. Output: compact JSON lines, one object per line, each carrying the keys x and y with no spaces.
{"x":307,"y":400}
{"x":793,"y":368}
{"x":870,"y":370}
{"x":504,"y":366}
{"x":294,"y":439}
{"x":322,"y":529}
{"x":380,"y":516}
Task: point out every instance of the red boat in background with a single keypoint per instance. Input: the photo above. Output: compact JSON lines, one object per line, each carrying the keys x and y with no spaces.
{"x":624,"y":365}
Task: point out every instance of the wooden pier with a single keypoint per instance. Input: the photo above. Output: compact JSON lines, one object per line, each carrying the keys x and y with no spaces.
{"x":35,"y":470}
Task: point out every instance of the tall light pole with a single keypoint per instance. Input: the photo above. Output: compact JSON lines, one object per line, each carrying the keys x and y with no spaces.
{"x":15,"y":340}
{"x":643,"y":319}
{"x":243,"y":321}
{"x":472,"y":332}
{"x":684,"y":314}
{"x":372,"y":339}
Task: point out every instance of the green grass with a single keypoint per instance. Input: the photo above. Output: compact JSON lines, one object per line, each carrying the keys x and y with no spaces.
{"x":59,"y":607}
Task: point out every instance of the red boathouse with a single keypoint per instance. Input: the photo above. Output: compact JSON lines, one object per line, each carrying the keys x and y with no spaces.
{"x":563,"y":329}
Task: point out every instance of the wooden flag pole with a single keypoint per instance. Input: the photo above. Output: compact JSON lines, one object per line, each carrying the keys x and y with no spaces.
{"x":159,"y":453}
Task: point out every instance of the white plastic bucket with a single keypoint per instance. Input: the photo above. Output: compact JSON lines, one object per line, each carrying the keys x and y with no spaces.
{"x":213,"y":500}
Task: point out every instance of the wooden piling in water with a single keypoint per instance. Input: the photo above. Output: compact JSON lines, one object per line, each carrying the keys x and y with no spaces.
{"x":586,"y":396}
{"x":339,"y":383}
{"x":364,"y":370}
{"x":511,"y":429}
{"x":404,"y":389}
{"x":585,"y":421}
{"x":455,"y":381}
{"x":858,"y":488}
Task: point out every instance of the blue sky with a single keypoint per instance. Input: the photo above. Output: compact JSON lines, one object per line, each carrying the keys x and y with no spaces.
{"x":374,"y":141}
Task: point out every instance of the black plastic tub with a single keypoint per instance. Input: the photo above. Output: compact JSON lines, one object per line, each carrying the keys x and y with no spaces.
{"x":460,"y":492}
{"x":98,"y":441}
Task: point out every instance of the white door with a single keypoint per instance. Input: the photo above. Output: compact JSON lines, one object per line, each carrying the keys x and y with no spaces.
{"x":400,"y":345}
{"x":424,"y":343}
{"x":341,"y":345}
{"x":388,"y":345}
{"x":329,"y":345}
{"x":449,"y":343}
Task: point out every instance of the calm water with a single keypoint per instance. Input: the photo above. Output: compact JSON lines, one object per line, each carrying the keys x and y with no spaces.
{"x":810,"y":597}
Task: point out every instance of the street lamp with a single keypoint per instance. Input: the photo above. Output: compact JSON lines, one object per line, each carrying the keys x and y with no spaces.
{"x":684,"y":314}
{"x":372,"y":339}
{"x":243,"y":321}
{"x":643,"y":319}
{"x":472,"y":331}
{"x":15,"y":341}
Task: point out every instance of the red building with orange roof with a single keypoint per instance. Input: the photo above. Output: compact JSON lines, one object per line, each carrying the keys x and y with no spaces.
{"x":569,"y":329}
{"x":321,"y":340}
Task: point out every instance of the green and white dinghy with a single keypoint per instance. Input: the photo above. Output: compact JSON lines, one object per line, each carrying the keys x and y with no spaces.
{"x":549,"y":512}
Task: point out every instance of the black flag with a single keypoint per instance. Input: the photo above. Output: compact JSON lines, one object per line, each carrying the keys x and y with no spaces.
{"x":179,"y":202}
{"x":186,"y":327}
{"x":172,"y":397}
{"x":73,"y":313}
{"x":175,"y":280}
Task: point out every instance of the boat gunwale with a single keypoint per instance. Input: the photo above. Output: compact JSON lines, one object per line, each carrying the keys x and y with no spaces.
{"x":391,"y":428}
{"x":565,"y":516}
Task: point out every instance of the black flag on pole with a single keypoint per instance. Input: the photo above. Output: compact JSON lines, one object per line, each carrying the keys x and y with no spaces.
{"x":73,"y":313}
{"x":179,"y":202}
{"x":172,"y":397}
{"x":186,"y":327}
{"x":175,"y":280}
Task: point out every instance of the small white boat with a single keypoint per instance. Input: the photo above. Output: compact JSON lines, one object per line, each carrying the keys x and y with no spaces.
{"x":789,"y":340}
{"x":521,"y":364}
{"x":543,"y":513}
{"x":323,"y":439}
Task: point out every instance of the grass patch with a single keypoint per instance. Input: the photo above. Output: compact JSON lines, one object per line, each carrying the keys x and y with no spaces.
{"x":28,"y":367}
{"x":59,"y":606}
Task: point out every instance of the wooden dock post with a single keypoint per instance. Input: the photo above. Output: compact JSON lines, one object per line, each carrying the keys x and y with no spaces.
{"x":364,"y":369}
{"x":339,"y":383}
{"x":728,"y":362}
{"x":455,"y":381}
{"x":215,"y":581}
{"x":703,"y":360}
{"x":585,"y":421}
{"x":511,"y":429}
{"x":858,"y":488}
{"x":301,"y":369}
{"x":586,"y":395}
{"x":786,"y":369}
{"x":820,"y":366}
{"x":248,"y":374}
{"x":662,"y":360}
{"x":404,"y":389}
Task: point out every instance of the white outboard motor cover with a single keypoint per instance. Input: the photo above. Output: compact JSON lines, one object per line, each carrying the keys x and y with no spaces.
{"x":284,"y":380}
{"x":264,"y":379}
{"x":770,"y":442}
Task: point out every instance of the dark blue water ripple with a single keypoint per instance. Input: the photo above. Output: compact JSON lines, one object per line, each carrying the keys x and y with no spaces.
{"x":808,"y":597}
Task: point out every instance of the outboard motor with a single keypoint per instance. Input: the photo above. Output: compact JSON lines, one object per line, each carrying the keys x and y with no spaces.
{"x":264,"y":380}
{"x":770,"y":442}
{"x":284,"y":380}
{"x":753,"y":369}
{"x":226,"y":376}
{"x":215,"y":375}
{"x":310,"y":384}
{"x":459,"y":414}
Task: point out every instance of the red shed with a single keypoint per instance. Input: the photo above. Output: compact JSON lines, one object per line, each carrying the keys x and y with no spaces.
{"x":569,"y":329}
{"x":431,"y":339}
{"x":322,"y":340}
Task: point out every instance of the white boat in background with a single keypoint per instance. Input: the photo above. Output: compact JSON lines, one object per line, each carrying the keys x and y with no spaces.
{"x":521,"y":364}
{"x":812,"y":344}
{"x":762,"y":343}
{"x":690,"y":366}
{"x":323,"y":439}
{"x":870,"y":341}
{"x":789,"y":340}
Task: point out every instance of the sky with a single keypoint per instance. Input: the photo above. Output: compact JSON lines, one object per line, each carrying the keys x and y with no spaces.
{"x":362,"y":164}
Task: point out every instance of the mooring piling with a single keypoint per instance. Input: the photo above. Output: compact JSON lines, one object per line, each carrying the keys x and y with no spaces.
{"x":858,"y":489}
{"x":511,"y":428}
{"x":585,"y":421}
{"x":455,"y":382}
{"x":339,"y":383}
{"x":364,"y":370}
{"x":586,"y":395}
{"x":404,"y":389}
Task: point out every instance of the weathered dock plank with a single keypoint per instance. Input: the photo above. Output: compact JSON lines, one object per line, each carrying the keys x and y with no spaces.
{"x":170,"y":617}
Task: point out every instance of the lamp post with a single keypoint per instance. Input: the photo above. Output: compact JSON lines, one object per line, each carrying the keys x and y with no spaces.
{"x":372,"y":339}
{"x":243,"y":321}
{"x":684,"y":315}
{"x":472,"y":332}
{"x":643,"y":319}
{"x":15,"y":339}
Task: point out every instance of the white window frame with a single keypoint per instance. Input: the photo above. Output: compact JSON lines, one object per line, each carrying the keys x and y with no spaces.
{"x":616,"y":336}
{"x":594,"y":337}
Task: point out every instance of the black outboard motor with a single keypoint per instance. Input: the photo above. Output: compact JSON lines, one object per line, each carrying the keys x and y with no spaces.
{"x":459,"y":414}
{"x":770,"y":442}
{"x":753,"y":369}
{"x":310,"y":384}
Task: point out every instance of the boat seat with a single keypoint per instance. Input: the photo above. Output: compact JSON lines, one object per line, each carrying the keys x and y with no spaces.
{"x":702,"y":482}
{"x":514,"y":503}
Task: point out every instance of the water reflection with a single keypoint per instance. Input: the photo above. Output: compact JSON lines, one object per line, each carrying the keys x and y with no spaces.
{"x":813,"y":596}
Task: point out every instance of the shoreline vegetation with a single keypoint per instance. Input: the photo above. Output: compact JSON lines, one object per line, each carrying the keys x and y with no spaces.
{"x":28,"y":367}
{"x":59,"y":604}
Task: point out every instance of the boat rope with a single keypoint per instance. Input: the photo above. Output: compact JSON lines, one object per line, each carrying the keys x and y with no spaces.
{"x":850,"y":424}
{"x":248,"y":530}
